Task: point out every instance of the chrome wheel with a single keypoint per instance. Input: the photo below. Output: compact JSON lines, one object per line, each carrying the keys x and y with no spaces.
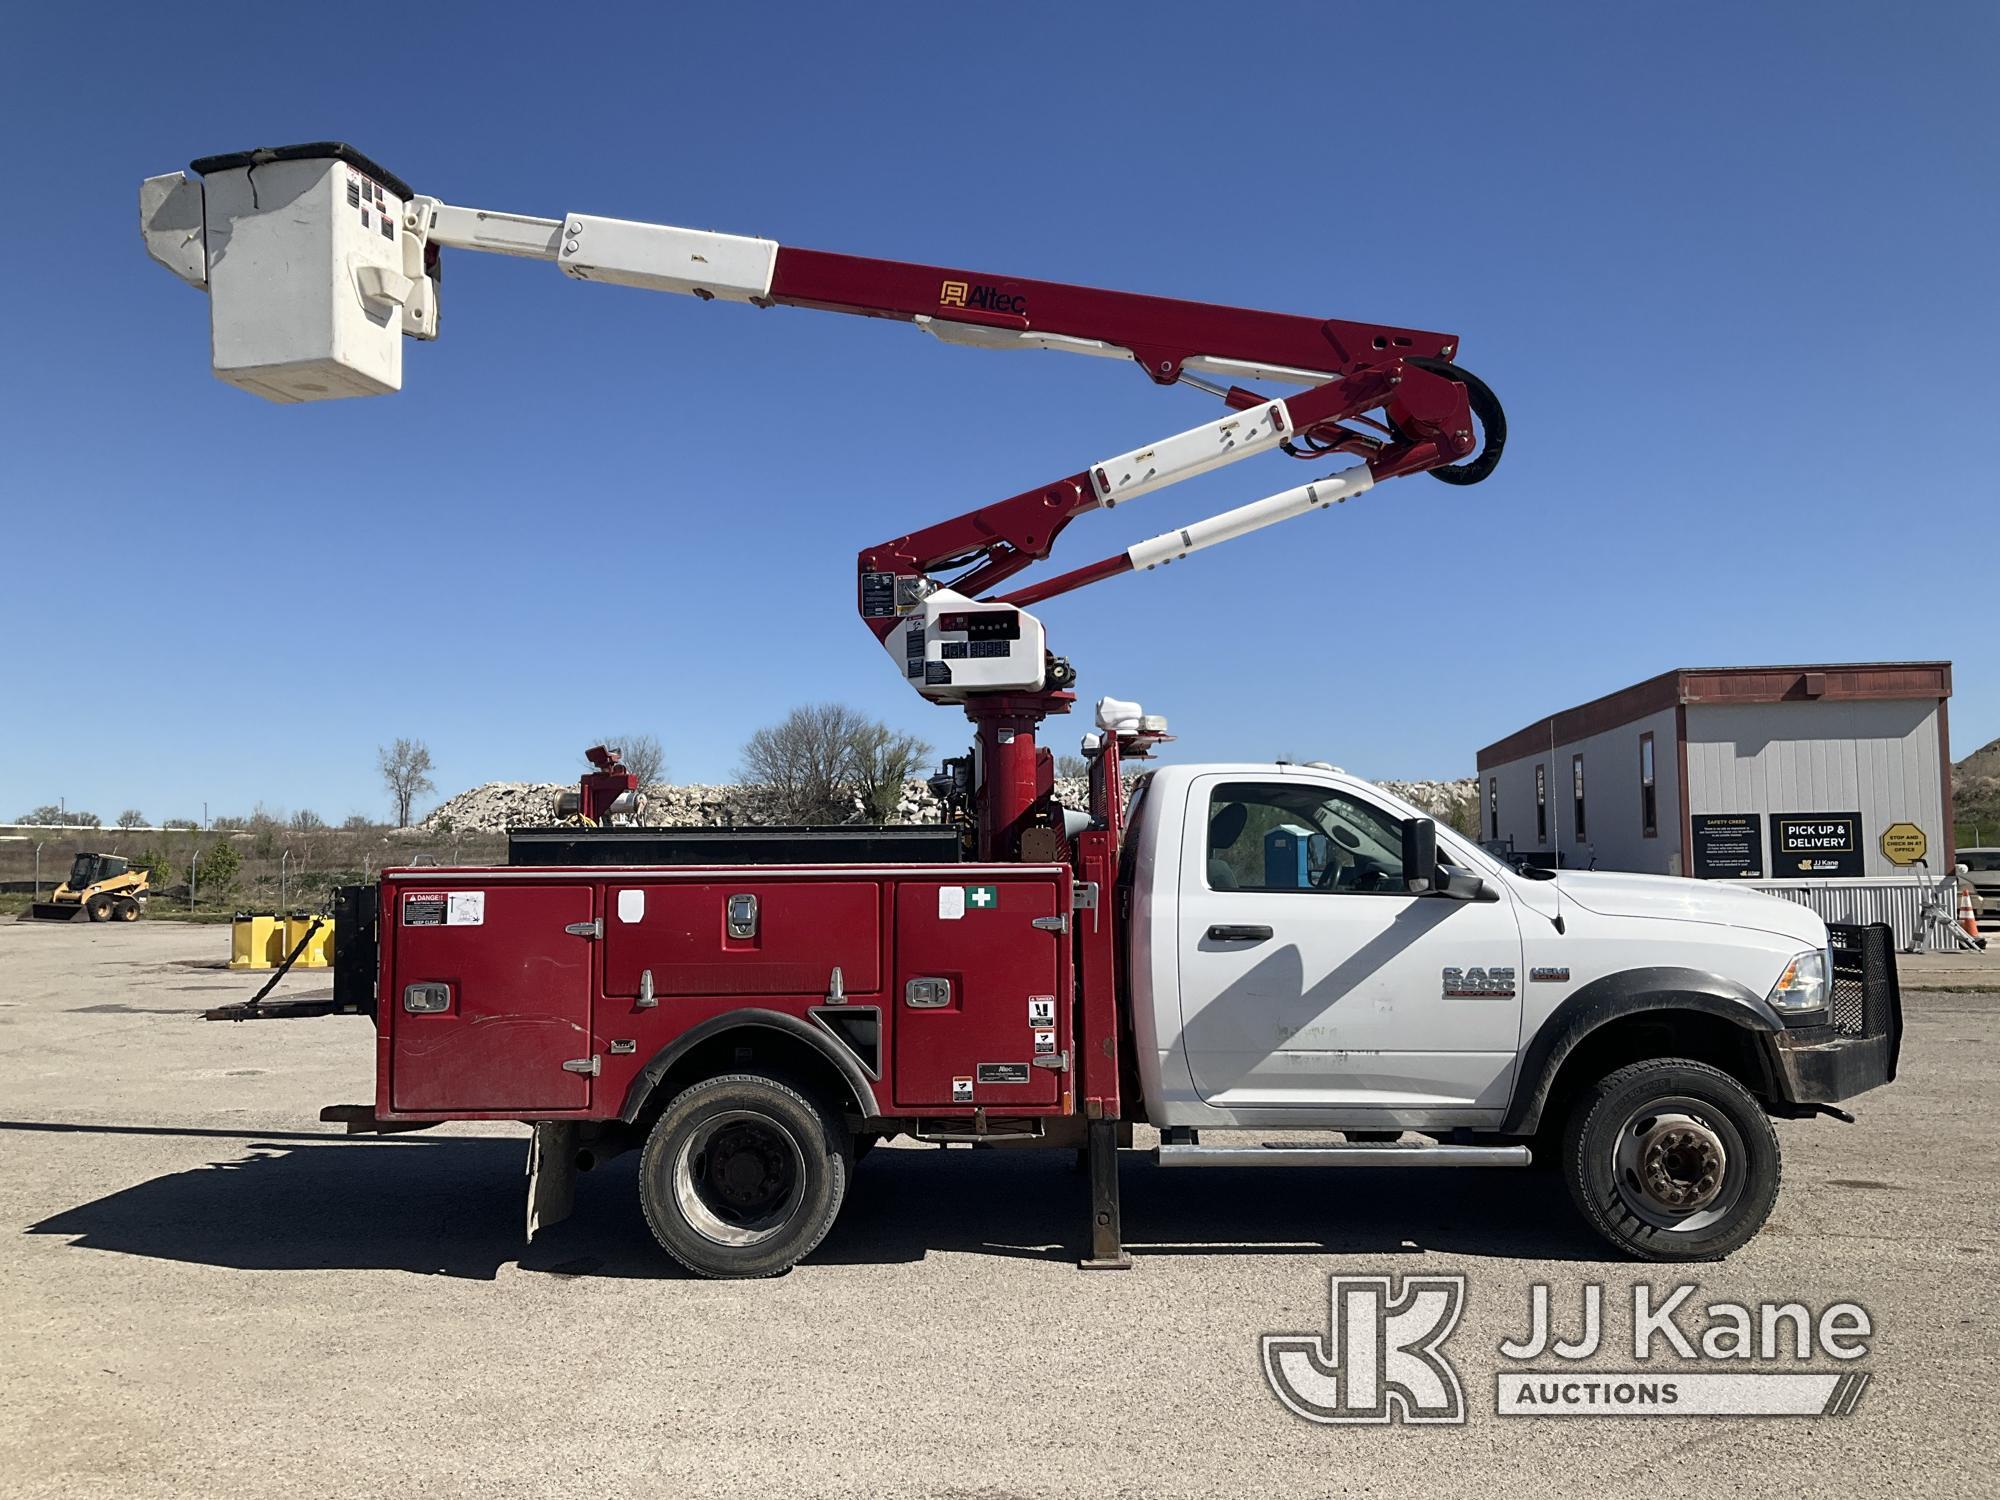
{"x":1677,"y":1164}
{"x":739,"y":1178}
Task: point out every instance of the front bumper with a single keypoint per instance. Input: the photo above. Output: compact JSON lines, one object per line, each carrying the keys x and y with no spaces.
{"x":1856,"y":1048}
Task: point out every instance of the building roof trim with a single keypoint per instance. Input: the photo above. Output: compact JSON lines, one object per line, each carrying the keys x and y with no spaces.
{"x":1832,"y":682}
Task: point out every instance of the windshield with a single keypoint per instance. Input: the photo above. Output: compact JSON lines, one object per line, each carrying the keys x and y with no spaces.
{"x":1984,"y":861}
{"x":83,"y":871}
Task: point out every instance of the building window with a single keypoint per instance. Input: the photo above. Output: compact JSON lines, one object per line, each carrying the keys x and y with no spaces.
{"x":1649,"y":799}
{"x":1541,"y":804}
{"x":1576,"y":794}
{"x":1493,"y":808}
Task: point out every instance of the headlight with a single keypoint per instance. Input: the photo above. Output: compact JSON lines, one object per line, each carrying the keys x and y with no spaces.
{"x":1802,"y":986}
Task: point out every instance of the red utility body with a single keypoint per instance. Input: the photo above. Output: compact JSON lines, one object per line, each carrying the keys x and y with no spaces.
{"x":563,"y":985}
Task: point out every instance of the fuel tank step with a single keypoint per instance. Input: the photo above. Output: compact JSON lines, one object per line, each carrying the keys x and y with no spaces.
{"x":1303,"y":1154}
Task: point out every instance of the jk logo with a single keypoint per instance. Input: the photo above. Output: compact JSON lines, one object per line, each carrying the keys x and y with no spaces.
{"x":1379,"y":1361}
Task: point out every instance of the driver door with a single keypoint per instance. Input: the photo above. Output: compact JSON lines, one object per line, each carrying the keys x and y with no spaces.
{"x":1310,"y":976}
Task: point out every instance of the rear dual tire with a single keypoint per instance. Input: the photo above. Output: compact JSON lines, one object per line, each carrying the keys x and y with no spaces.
{"x":742,"y":1176}
{"x":1672,"y":1160}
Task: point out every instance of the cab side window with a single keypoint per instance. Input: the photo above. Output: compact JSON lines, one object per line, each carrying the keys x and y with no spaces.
{"x":1282,"y":836}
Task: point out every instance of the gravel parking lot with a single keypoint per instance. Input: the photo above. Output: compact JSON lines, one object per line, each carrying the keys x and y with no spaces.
{"x":203,"y":1291}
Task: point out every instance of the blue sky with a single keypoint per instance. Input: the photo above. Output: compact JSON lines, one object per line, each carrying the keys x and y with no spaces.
{"x":1729,"y":268}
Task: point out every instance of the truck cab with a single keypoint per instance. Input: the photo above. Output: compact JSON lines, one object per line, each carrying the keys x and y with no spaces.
{"x":1309,"y":952}
{"x":1335,"y":987}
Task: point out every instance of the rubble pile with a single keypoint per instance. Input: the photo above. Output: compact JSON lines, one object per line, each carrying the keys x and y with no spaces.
{"x":500,"y":805}
{"x":1438,"y":798}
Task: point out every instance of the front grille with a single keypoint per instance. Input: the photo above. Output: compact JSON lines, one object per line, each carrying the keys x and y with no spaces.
{"x":1866,"y":999}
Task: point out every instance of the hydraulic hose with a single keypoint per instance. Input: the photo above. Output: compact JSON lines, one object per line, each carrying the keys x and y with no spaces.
{"x":1492,"y":422}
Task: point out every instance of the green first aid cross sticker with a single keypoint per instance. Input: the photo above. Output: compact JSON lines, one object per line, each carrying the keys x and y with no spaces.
{"x":982,"y":897}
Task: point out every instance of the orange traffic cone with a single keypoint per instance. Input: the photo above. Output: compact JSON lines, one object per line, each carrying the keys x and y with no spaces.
{"x":1968,"y":916}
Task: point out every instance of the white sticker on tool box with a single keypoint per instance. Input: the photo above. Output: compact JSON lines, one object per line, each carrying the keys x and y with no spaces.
{"x":631,"y":906}
{"x":1041,"y":1010}
{"x":961,"y":1091}
{"x":1045,"y":1041}
{"x":466,"y":909}
{"x":951,"y":902}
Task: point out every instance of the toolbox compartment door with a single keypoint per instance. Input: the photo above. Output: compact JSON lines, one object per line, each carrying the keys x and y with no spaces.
{"x":975,"y":1043}
{"x":516,"y":1003}
{"x":789,"y":937}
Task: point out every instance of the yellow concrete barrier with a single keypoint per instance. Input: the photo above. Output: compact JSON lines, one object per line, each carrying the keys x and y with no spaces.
{"x":319,"y":951}
{"x":257,"y":940}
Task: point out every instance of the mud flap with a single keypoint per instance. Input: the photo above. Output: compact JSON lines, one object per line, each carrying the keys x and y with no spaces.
{"x":551,"y":1174}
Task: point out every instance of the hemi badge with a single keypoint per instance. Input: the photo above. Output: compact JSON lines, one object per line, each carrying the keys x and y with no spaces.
{"x":1548,"y":976}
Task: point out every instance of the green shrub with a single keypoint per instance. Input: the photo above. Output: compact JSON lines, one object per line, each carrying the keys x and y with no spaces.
{"x":219,"y":867}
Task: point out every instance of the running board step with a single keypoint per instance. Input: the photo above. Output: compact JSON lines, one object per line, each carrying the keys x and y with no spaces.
{"x":1288,"y":1154}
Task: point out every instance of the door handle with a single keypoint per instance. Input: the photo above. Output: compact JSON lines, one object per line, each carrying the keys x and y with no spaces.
{"x":1231,"y":934}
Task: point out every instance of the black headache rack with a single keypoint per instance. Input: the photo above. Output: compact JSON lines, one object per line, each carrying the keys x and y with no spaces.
{"x":356,"y":953}
{"x":1857,"y":1047}
{"x":862,"y":844}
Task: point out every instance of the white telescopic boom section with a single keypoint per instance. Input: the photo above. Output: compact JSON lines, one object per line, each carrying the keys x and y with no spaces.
{"x":1171,"y":546}
{"x":621,"y":252}
{"x":1239,"y":435}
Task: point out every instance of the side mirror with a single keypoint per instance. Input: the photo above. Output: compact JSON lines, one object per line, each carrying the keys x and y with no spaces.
{"x":1420,"y":856}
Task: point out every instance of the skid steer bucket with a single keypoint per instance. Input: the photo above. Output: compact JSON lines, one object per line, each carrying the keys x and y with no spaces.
{"x":54,"y":911}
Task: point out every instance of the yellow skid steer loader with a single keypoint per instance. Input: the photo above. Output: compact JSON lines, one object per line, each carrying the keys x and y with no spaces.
{"x":102,"y":887}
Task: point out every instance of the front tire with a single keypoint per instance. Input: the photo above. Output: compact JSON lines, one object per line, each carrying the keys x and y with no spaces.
{"x":1672,"y":1160}
{"x":99,"y":908}
{"x":742,"y":1176}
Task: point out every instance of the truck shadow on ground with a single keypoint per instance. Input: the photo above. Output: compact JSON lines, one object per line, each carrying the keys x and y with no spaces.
{"x":453,"y":1206}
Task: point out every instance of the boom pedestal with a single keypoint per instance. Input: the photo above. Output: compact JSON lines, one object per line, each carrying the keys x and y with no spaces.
{"x":1016,"y":776}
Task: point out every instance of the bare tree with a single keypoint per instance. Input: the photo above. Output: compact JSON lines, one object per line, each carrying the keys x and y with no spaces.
{"x":305,"y":820}
{"x":882,"y":760}
{"x":822,"y":760}
{"x":405,"y":768}
{"x":1072,"y":766}
{"x":642,"y":755}
{"x":131,"y":818}
{"x":802,"y":763}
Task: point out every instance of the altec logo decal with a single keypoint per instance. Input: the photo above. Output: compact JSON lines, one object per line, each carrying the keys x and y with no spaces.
{"x":985,"y":298}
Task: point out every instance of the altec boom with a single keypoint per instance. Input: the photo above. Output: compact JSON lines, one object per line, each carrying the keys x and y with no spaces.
{"x":273,"y":233}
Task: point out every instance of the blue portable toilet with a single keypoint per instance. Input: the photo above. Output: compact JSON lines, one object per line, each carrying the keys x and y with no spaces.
{"x":1288,"y":858}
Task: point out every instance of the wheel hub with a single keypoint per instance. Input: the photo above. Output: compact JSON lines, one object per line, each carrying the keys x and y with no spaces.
{"x":739,"y":1178}
{"x":1679,"y":1163}
{"x":743,"y":1169}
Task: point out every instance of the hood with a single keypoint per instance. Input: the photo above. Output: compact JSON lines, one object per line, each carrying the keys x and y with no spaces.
{"x":1673,"y":897}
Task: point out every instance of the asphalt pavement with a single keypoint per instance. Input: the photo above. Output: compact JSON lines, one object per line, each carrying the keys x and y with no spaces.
{"x":205,"y":1292}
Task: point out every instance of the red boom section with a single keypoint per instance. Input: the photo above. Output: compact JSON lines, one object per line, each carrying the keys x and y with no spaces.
{"x":1402,"y":371}
{"x":1162,"y":332}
